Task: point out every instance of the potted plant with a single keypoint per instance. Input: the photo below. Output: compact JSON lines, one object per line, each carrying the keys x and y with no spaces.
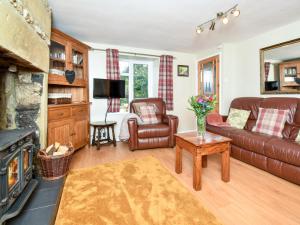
{"x":202,"y":105}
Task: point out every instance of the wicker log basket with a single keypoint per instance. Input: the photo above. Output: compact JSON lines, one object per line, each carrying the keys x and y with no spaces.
{"x":55,"y":167}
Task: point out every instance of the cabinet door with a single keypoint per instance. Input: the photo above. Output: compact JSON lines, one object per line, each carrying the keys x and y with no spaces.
{"x":60,"y":131}
{"x":78,"y":58}
{"x":80,"y":137}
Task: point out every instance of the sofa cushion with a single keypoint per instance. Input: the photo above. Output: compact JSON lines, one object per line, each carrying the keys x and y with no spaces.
{"x":283,"y":103}
{"x":153,"y":130}
{"x":238,"y":118}
{"x":283,"y":150}
{"x":137,"y":106}
{"x":148,"y":114}
{"x":158,"y":102}
{"x":248,"y":140}
{"x":271,"y":121}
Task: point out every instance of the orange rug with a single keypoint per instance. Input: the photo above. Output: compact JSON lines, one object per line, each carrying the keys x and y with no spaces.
{"x":134,"y":192}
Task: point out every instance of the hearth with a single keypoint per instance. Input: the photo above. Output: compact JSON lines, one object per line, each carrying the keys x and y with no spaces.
{"x":16,"y":155}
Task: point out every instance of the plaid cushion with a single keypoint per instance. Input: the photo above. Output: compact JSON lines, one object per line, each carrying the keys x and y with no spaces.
{"x":148,"y":114}
{"x":271,"y":121}
{"x":137,"y":106}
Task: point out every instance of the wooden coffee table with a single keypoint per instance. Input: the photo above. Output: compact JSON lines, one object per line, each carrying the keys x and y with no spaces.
{"x":213,"y":143}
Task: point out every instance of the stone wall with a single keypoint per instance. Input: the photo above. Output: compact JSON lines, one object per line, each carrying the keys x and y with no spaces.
{"x":25,"y":30}
{"x":22,"y":102}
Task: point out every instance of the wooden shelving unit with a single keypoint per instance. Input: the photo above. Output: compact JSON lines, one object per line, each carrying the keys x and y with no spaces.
{"x":68,"y":122}
{"x":288,"y":72}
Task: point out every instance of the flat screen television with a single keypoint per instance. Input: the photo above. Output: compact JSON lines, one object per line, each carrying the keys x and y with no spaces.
{"x":105,"y":88}
{"x":117,"y":89}
{"x":101,"y":88}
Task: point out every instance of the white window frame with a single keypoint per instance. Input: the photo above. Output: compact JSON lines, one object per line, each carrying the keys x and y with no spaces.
{"x":130,"y":75}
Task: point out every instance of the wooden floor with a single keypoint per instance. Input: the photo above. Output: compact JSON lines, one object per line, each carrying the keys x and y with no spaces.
{"x":252,"y":196}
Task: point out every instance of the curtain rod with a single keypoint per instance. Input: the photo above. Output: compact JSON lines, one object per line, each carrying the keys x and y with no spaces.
{"x":130,"y":53}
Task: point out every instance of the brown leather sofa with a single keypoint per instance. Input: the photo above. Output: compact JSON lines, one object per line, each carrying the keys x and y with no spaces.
{"x":152,"y":135}
{"x":279,"y":156}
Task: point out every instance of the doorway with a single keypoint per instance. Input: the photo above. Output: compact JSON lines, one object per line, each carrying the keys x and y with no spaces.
{"x":208,"y":78}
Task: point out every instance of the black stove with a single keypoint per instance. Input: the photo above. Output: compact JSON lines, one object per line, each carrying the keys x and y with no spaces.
{"x":16,"y":168}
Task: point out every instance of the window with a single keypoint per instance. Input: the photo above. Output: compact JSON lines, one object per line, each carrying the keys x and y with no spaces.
{"x":138,"y":80}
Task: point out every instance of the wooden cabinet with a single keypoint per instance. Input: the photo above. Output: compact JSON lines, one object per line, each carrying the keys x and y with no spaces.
{"x":288,"y":72}
{"x":74,"y":128}
{"x":80,"y":128}
{"x":67,"y":53}
{"x":68,"y":122}
{"x":60,"y":131}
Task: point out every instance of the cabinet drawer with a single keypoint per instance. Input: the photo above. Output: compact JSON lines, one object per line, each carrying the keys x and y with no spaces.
{"x":56,"y":114}
{"x":79,"y":111}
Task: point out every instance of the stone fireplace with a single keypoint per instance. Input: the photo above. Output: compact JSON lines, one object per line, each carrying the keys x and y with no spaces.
{"x":22,"y":102}
{"x":21,"y":131}
{"x":24,"y":63}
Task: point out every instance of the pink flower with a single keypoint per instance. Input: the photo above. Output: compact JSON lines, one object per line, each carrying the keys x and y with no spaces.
{"x":200,"y":100}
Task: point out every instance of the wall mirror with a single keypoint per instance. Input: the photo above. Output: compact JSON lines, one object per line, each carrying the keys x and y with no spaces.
{"x":280,"y":68}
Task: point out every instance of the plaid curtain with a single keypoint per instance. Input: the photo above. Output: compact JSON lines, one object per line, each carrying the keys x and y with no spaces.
{"x":113,"y":73}
{"x":267,"y":69}
{"x":165,"y":83}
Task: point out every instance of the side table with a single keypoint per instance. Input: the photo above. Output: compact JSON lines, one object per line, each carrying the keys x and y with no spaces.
{"x":98,"y":126}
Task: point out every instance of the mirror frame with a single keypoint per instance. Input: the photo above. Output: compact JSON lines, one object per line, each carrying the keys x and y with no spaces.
{"x":262,"y":68}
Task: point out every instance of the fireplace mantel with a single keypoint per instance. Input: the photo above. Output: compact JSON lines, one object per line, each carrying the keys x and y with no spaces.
{"x":24,"y":26}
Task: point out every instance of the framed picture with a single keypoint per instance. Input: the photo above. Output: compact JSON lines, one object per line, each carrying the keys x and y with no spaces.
{"x":183,"y":70}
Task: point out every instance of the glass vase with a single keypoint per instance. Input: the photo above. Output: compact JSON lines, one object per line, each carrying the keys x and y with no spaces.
{"x":201,"y":126}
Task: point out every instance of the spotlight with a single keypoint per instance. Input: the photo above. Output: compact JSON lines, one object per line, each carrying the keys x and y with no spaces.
{"x":221,"y":16}
{"x":212,"y":26}
{"x":225,"y":20}
{"x":199,"y":30}
{"x":235,"y":12}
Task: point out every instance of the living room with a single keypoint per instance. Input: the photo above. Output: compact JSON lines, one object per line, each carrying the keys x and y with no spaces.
{"x":160,"y":112}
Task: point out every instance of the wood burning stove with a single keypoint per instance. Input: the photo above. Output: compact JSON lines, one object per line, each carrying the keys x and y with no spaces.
{"x":16,"y":155}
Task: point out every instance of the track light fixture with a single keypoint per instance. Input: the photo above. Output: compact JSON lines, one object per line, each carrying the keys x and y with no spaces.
{"x":223,"y":16}
{"x":212,"y":26}
{"x":235,"y":12}
{"x":199,"y":30}
{"x":225,"y":20}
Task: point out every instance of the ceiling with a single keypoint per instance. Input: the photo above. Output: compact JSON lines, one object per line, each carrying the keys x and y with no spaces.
{"x":168,"y":24}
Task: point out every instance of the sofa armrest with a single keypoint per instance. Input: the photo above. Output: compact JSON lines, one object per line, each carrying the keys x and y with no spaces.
{"x":132,"y":128}
{"x":172,"y":121}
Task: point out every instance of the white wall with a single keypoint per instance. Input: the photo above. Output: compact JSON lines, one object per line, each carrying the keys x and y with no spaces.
{"x":184,"y":87}
{"x":240,"y":65}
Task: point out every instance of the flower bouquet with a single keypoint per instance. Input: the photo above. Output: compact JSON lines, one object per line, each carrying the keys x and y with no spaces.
{"x":202,"y":105}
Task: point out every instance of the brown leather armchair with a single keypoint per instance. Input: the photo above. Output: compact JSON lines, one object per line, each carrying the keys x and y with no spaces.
{"x":152,"y":135}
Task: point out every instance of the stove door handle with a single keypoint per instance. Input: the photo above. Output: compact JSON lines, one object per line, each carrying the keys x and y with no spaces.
{"x":28,"y":145}
{"x":15,"y":194}
{"x":3,"y":202}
